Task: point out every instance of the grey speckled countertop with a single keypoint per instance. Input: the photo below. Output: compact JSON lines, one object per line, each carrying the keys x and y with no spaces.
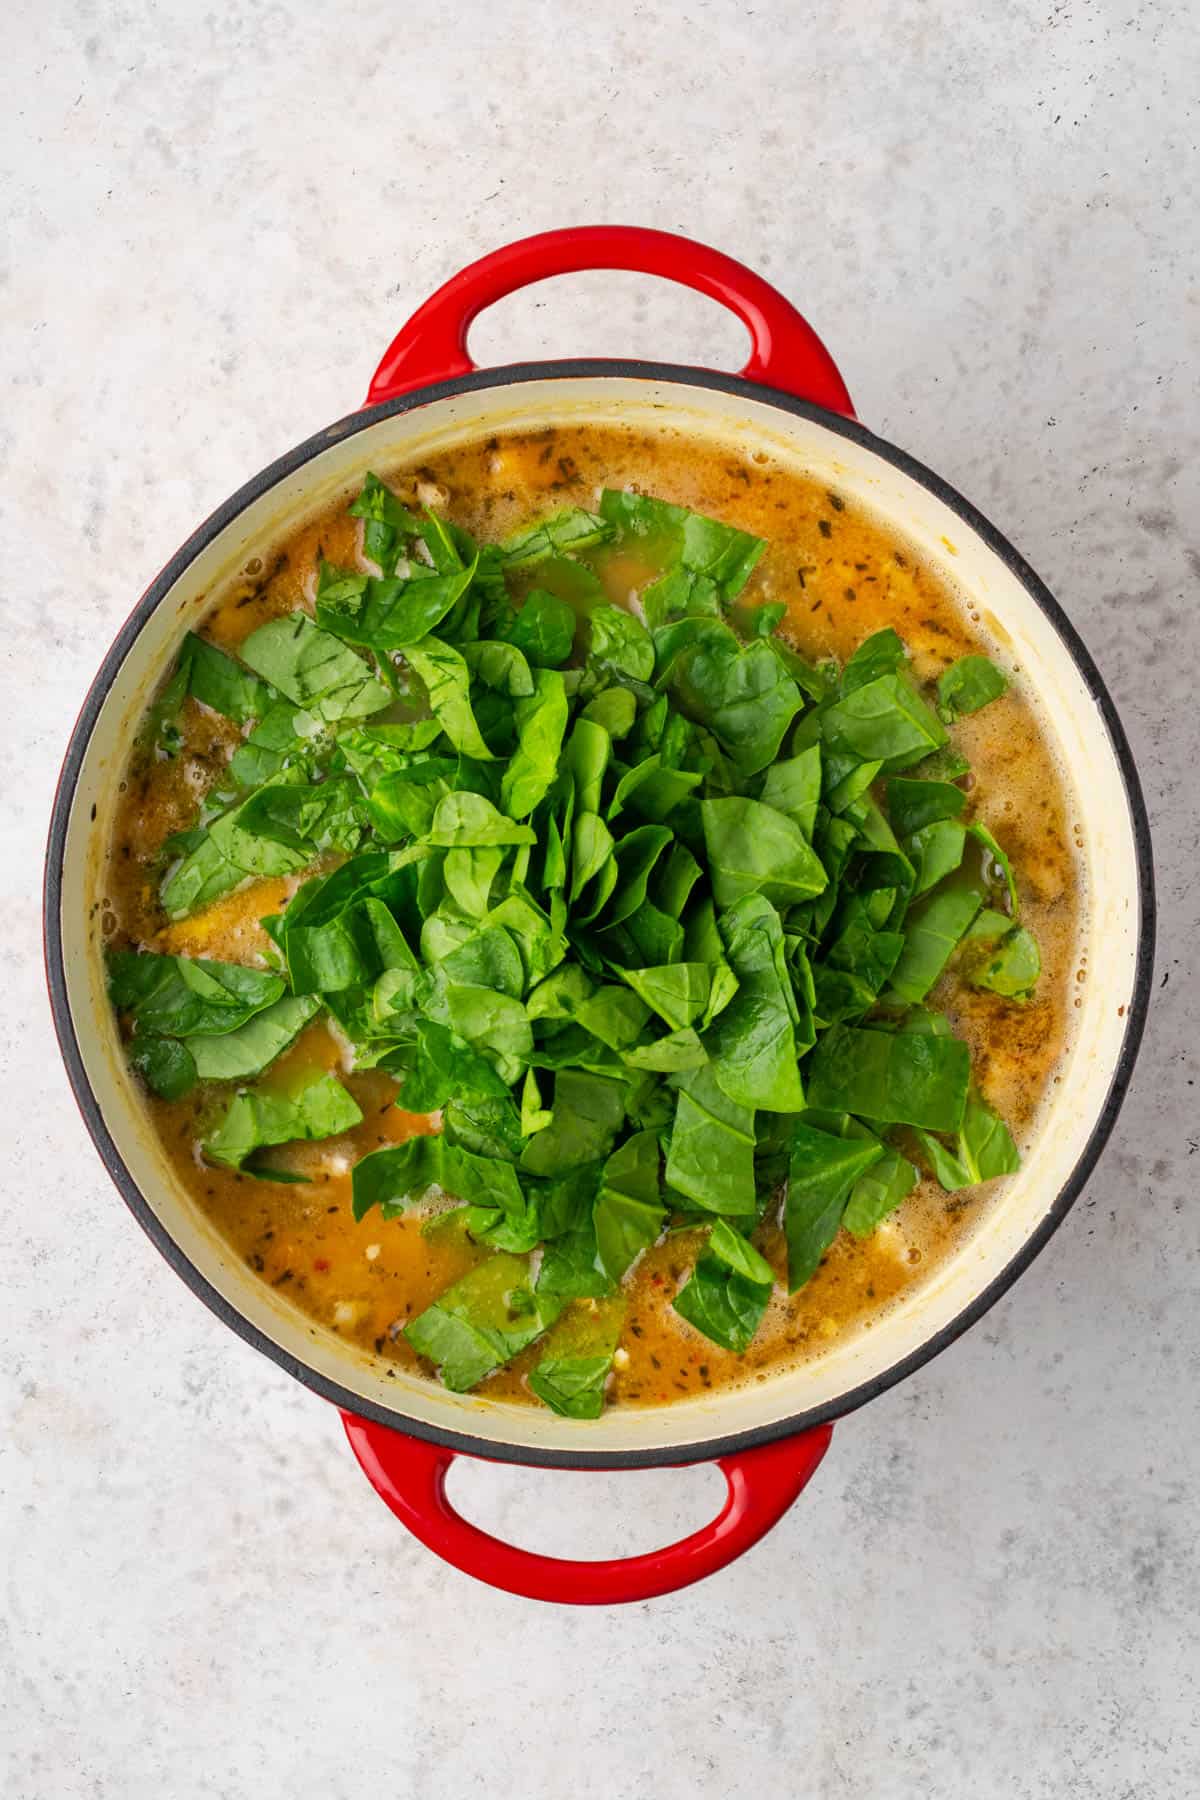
{"x":216,"y":216}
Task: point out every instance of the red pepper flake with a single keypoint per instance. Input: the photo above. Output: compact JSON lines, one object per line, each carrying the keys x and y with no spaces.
{"x":321,"y":1266}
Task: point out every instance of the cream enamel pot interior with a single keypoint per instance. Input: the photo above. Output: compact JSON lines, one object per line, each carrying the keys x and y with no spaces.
{"x":784,"y":1411}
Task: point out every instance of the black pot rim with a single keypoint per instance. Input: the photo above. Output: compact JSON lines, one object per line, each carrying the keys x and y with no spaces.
{"x":492,"y":1449}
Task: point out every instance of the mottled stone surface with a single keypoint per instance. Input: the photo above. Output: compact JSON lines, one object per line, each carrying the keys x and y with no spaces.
{"x":217,"y":215}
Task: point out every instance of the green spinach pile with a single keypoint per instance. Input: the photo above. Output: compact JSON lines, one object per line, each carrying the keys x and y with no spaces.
{"x":648,"y":911}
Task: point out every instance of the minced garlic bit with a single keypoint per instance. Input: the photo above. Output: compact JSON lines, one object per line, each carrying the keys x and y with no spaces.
{"x":373,"y":1251}
{"x":890,"y":1239}
{"x":620,"y":1357}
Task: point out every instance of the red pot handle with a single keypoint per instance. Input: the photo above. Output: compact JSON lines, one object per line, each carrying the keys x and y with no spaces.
{"x":787,"y":353}
{"x":409,"y":1475}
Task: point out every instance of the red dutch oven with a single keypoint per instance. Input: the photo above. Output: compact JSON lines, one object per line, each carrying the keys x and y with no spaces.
{"x":790,"y":401}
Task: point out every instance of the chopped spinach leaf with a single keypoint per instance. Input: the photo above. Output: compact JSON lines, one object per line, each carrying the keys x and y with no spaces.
{"x":1009,"y":964}
{"x":752,"y":1044}
{"x":902,"y":1078}
{"x":711,"y":1159}
{"x":166,"y":1065}
{"x":913,"y":804}
{"x":739,"y":1254}
{"x":314,"y":669}
{"x":822,"y":1170}
{"x":219,"y":681}
{"x":254,"y":1120}
{"x":878,"y":1192}
{"x":482,"y":1322}
{"x":572,"y":1374}
{"x":935,"y":851}
{"x":585,"y":1117}
{"x":544,"y":629}
{"x":753,"y":849}
{"x":448,"y":686}
{"x":253,"y":1047}
{"x":540,"y":721}
{"x":387,"y":522}
{"x":932,"y":932}
{"x":997,"y":868}
{"x":884,"y":721}
{"x":722,"y":1304}
{"x":180,"y":996}
{"x":390,"y":614}
{"x":446,"y":1067}
{"x":573,"y":1385}
{"x":628,"y":1214}
{"x":982,"y":1150}
{"x":567,"y":531}
{"x":793,"y":786}
{"x":968,"y":684}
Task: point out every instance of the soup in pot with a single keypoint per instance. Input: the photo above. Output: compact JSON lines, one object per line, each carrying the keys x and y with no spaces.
{"x":593,"y":917}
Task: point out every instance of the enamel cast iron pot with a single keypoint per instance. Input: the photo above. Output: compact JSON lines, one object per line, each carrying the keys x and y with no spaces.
{"x":789,"y":400}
